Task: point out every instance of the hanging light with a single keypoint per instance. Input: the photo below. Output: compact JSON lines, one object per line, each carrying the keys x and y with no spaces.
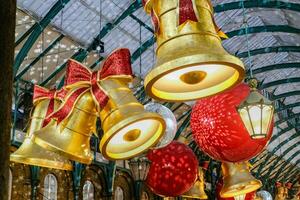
{"x":139,"y":167}
{"x":256,"y":112}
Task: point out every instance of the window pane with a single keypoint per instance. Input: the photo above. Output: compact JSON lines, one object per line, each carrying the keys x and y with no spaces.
{"x":88,"y":191}
{"x":119,"y":194}
{"x":50,"y":187}
{"x":145,"y":196}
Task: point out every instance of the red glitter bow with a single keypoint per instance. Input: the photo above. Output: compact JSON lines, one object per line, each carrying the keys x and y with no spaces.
{"x":80,"y":80}
{"x":186,"y":11}
{"x":41,"y":93}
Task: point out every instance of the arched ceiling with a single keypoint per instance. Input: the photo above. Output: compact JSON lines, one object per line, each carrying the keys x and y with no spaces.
{"x":264,"y":34}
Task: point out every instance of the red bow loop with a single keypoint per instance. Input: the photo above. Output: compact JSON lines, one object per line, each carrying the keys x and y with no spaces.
{"x":117,"y":63}
{"x":40,"y":93}
{"x":186,"y":11}
{"x":80,"y":79}
{"x":76,"y":72}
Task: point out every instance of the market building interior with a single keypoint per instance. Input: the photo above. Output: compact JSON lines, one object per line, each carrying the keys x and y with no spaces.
{"x":150,"y":99}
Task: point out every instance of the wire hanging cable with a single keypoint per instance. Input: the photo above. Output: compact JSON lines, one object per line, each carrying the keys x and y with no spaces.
{"x":100,"y":26}
{"x":140,"y":50}
{"x":245,"y":23}
{"x":43,"y":47}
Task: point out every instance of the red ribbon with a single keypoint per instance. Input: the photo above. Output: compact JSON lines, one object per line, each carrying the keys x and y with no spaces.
{"x":186,"y":11}
{"x":117,"y":65}
{"x":41,"y":93}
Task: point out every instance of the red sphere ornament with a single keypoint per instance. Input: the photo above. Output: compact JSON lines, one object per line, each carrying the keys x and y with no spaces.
{"x":220,"y":132}
{"x":173,"y":169}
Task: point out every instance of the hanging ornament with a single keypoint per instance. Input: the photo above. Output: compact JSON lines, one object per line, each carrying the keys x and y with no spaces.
{"x":191,"y":62}
{"x":128,"y":129}
{"x":282,"y":191}
{"x":45,"y":102}
{"x":247,"y":196}
{"x":173,"y":170}
{"x":171,"y":123}
{"x":264,"y":195}
{"x":237,"y":180}
{"x":197,"y":190}
{"x":256,"y":112}
{"x":219,"y":130}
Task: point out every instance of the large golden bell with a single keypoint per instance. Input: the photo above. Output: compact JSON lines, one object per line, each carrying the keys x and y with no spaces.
{"x":128,"y":129}
{"x":71,"y":137}
{"x":191,"y":62}
{"x":197,"y":191}
{"x":30,"y":153}
{"x":237,"y":179}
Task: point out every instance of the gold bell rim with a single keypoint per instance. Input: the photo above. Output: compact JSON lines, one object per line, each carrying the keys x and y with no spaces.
{"x":50,"y":147}
{"x":40,"y":162}
{"x":195,"y":197}
{"x":126,"y":122}
{"x":251,"y":188}
{"x":189,"y":61}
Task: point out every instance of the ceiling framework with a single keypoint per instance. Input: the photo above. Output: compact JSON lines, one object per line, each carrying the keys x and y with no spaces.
{"x":264,"y":34}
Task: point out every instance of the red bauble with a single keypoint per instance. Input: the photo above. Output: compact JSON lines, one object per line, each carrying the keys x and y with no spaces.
{"x":219,"y":131}
{"x":173,"y":169}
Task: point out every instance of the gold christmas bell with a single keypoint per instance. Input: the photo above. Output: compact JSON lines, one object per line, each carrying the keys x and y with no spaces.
{"x":74,"y":122}
{"x":104,"y":92}
{"x":197,"y":191}
{"x":129,"y":130}
{"x":191,"y":62}
{"x":237,"y":179}
{"x":45,"y":102}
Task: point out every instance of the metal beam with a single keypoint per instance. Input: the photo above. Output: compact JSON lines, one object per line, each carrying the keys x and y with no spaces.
{"x":284,"y":95}
{"x":39,"y":57}
{"x":184,"y":124}
{"x":104,"y":31}
{"x":274,"y":161}
{"x":285,"y":176}
{"x":287,"y":162}
{"x":263,"y":29}
{"x":24,"y":35}
{"x":257,"y":4}
{"x":79,"y":55}
{"x":269,"y":50}
{"x":294,"y":171}
{"x":292,"y":116}
{"x":281,"y":157}
{"x":279,"y":82}
{"x":281,"y":133}
{"x":137,"y":53}
{"x":275,"y":150}
{"x":58,"y":6}
{"x":288,"y":106}
{"x":276,"y":67}
{"x":284,"y":172}
{"x":257,"y":161}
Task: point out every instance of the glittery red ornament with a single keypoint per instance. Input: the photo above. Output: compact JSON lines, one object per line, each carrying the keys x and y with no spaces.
{"x":220,"y":132}
{"x":173,"y":169}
